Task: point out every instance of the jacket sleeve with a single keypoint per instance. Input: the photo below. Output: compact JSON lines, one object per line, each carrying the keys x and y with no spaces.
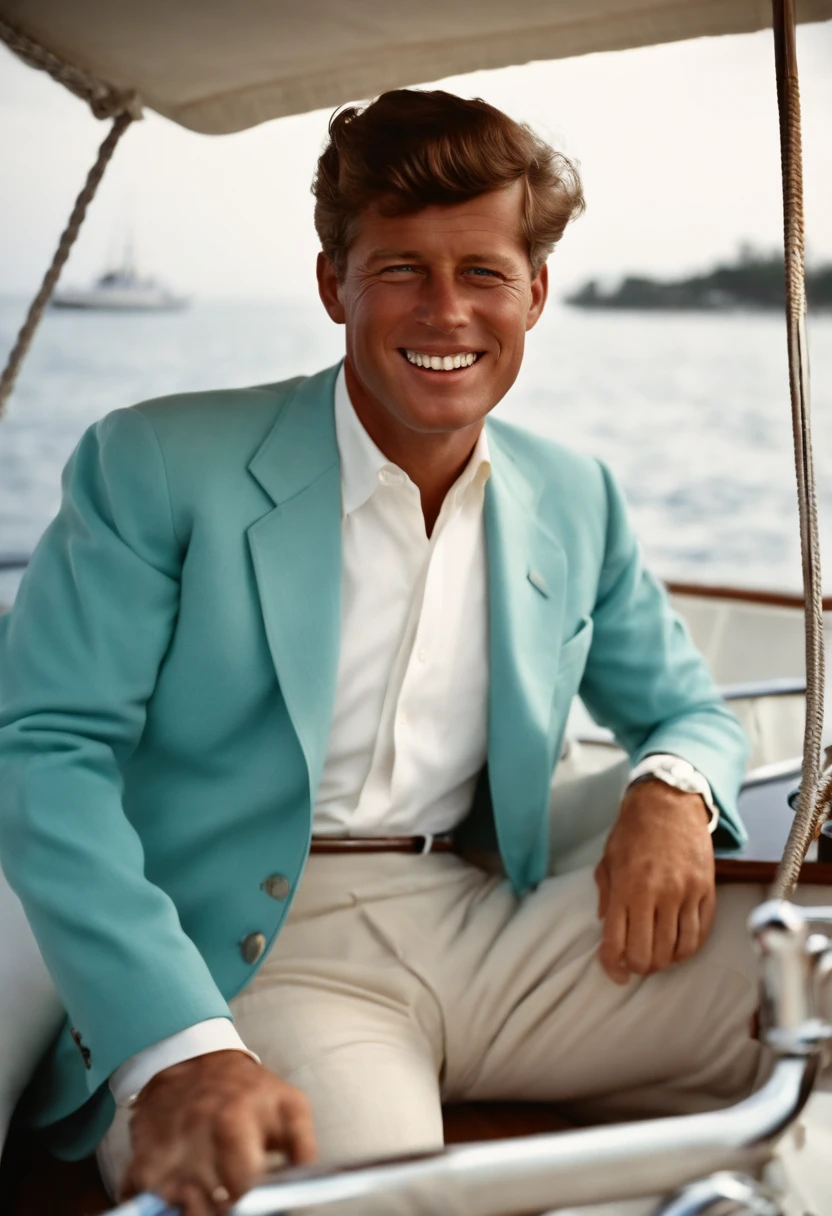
{"x":79,"y":657}
{"x":648,"y":683}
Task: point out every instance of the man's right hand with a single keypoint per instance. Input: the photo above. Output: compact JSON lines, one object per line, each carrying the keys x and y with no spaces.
{"x":201,"y":1131}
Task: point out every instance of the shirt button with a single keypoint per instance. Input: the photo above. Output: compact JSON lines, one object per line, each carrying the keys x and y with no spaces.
{"x":252,"y":947}
{"x":388,"y":477}
{"x":276,"y":886}
{"x":422,"y":656}
{"x":404,"y":717}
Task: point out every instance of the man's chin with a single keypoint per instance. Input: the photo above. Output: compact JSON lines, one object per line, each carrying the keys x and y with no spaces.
{"x":438,"y":405}
{"x":439,"y":416}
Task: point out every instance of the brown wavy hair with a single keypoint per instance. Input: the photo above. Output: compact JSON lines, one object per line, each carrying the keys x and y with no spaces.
{"x":411,"y":149}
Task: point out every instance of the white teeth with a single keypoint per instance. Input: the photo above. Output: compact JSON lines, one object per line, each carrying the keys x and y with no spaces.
{"x":440,"y":363}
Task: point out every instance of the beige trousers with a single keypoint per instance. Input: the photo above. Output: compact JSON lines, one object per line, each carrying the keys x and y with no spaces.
{"x":400,"y":982}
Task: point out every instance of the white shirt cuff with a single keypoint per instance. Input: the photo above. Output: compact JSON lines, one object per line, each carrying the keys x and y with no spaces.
{"x":649,"y":765}
{"x":215,"y":1034}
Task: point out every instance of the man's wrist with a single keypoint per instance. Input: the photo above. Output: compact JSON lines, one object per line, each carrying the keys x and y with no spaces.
{"x":677,"y":773}
{"x":214,"y":1034}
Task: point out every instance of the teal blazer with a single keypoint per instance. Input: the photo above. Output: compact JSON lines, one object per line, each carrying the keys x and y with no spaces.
{"x":167,"y":677}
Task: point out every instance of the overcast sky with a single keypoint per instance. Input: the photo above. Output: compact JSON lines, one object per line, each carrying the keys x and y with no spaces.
{"x":677,"y":144}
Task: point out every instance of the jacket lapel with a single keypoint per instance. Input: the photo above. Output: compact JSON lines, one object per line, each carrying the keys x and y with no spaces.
{"x":527,"y":596}
{"x":296,"y":551}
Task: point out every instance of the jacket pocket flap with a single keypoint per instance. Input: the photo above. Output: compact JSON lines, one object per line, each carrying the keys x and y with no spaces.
{"x":576,"y":648}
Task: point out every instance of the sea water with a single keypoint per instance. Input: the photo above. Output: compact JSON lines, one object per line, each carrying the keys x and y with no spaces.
{"x":691,"y":411}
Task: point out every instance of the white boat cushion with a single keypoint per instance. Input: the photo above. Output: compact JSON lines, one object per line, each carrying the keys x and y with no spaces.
{"x":30,"y":1008}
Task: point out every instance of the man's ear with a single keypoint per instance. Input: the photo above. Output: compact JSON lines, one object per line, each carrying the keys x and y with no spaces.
{"x":539,"y":294}
{"x":329,"y":289}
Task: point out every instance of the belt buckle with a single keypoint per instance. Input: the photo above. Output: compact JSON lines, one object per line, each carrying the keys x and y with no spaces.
{"x":427,"y":845}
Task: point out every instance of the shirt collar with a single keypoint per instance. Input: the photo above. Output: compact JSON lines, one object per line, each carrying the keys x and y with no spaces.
{"x":362,"y":461}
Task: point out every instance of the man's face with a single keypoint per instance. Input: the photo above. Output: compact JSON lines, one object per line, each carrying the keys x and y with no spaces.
{"x":448,"y":283}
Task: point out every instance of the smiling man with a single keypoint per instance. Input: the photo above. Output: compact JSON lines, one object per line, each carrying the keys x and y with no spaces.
{"x":290,"y":657}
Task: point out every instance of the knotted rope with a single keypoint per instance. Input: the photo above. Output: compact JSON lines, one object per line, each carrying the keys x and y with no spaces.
{"x":105,"y":102}
{"x":812,"y":807}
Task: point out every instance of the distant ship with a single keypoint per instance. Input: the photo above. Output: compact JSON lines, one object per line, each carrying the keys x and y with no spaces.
{"x":121,"y":290}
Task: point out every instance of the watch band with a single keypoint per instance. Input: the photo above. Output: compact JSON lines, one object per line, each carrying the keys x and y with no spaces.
{"x":679,"y":774}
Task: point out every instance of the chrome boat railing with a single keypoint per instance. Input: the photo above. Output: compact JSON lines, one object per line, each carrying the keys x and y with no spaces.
{"x":701,"y":1161}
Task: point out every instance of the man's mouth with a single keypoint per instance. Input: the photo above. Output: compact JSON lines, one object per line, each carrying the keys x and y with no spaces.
{"x":442,"y":363}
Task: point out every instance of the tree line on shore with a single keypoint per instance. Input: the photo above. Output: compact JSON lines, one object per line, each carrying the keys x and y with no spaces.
{"x":753,"y":281}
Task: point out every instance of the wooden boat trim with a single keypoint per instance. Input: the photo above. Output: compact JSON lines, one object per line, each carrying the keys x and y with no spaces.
{"x":740,"y":869}
{"x":746,"y":595}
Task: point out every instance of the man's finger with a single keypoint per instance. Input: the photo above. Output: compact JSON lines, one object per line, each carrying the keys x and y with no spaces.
{"x":190,"y":1199}
{"x":240,"y":1142}
{"x":689,"y":931}
{"x":611,"y":950}
{"x":707,"y":913}
{"x":299,"y":1129}
{"x":171,"y":1162}
{"x":602,"y":879}
{"x":665,"y":935}
{"x":148,"y":1170}
{"x":641,"y":922}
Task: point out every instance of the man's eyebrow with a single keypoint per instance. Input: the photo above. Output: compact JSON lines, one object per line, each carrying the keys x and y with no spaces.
{"x":395,"y":255}
{"x":489,"y":259}
{"x":470,"y":259}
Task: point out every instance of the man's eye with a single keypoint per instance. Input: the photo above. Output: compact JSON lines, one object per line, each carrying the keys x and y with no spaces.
{"x":399,"y":269}
{"x":482,"y":271}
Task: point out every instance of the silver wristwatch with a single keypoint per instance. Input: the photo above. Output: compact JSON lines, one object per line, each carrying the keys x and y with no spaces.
{"x":678,"y":773}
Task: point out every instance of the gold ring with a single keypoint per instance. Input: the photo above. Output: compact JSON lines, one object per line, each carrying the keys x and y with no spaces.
{"x":220,"y":1195}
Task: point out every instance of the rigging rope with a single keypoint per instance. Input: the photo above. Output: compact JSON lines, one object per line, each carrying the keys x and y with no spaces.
{"x":812,"y":808}
{"x":105,"y":102}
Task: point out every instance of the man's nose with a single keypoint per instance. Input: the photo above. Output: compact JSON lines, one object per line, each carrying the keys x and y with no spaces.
{"x":442,"y":305}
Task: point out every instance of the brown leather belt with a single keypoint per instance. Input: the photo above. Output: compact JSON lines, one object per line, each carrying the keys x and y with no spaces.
{"x":381,"y":844}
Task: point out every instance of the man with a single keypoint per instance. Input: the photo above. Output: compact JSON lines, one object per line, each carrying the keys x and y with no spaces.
{"x":343,"y":608}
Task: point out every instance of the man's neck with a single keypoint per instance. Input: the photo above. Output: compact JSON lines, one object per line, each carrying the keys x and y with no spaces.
{"x":432,"y":461}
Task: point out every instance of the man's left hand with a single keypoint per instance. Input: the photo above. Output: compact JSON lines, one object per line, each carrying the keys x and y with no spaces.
{"x":656,"y":885}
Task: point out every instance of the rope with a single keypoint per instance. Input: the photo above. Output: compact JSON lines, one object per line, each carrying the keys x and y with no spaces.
{"x":104,"y":100}
{"x":812,"y":809}
{"x":76,"y":219}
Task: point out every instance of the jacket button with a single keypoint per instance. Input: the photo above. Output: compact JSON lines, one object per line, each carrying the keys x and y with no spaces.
{"x":276,"y":886}
{"x":252,"y":947}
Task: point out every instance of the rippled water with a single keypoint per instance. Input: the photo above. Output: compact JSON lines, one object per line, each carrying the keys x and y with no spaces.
{"x":691,"y":411}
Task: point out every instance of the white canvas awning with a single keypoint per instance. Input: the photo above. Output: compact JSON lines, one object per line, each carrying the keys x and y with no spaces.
{"x":218,"y":66}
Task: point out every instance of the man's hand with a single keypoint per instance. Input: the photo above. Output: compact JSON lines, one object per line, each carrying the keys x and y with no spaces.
{"x":656,"y":886}
{"x":201,"y":1131}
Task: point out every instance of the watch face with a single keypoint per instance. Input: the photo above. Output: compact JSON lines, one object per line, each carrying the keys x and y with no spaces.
{"x":680,"y":777}
{"x":671,"y":775}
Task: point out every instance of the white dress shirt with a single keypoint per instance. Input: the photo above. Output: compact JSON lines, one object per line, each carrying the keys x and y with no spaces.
{"x":410,"y":723}
{"x":409,"y":727}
